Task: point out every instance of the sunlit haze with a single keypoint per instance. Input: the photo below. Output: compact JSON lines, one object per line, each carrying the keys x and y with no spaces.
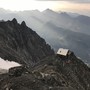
{"x":20,"y":5}
{"x":59,"y":5}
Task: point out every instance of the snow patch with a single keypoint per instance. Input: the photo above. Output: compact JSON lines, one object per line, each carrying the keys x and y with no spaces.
{"x":5,"y":64}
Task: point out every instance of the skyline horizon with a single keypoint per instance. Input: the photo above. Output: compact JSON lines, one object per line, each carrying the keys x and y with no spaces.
{"x":14,"y":11}
{"x":76,"y":6}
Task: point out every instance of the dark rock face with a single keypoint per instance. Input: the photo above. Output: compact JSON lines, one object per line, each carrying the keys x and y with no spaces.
{"x":51,"y":73}
{"x":17,"y":71}
{"x":19,"y":43}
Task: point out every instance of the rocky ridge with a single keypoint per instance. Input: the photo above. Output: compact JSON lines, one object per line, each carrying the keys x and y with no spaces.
{"x":51,"y":73}
{"x":21,"y":44}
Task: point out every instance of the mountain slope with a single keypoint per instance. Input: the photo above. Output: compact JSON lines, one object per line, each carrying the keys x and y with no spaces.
{"x":19,"y":43}
{"x":64,"y":20}
{"x":58,"y":37}
{"x":48,"y":72}
{"x":51,"y":73}
{"x":40,"y":21}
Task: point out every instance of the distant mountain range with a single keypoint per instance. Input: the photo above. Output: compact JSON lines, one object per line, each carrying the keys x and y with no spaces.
{"x":67,"y":30}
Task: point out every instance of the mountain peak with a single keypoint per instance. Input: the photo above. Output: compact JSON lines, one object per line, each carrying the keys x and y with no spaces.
{"x":23,"y":23}
{"x":21,"y":44}
{"x":48,"y":10}
{"x":64,"y":13}
{"x":50,"y":13}
{"x":84,"y":18}
{"x":14,"y":20}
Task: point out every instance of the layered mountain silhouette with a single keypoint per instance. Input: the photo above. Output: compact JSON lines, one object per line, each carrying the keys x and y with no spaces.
{"x":41,"y":69}
{"x":59,"y":37}
{"x":58,"y":29}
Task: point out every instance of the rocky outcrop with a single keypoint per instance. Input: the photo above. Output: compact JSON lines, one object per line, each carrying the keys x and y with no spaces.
{"x":21,"y":44}
{"x":65,"y":73}
{"x":18,"y":71}
{"x":51,"y":73}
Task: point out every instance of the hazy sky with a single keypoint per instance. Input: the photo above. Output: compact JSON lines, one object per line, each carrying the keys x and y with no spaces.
{"x":82,"y":6}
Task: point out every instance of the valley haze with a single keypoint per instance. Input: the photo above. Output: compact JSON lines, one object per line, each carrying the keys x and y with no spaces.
{"x":31,"y":33}
{"x":59,"y":29}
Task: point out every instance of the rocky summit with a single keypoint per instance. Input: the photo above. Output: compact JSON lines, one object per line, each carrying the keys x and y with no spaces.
{"x":21,"y":44}
{"x":47,"y":71}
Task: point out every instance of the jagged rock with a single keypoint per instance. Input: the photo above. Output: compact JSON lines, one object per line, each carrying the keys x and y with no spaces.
{"x":57,"y":72}
{"x":54,"y":76}
{"x":17,"y":71}
{"x":23,"y":24}
{"x":21,"y":44}
{"x":14,"y":21}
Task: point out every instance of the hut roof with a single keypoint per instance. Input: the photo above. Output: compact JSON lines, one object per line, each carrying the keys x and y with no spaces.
{"x":62,"y":51}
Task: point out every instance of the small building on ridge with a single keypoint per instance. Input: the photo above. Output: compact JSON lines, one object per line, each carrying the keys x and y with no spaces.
{"x":64,"y":53}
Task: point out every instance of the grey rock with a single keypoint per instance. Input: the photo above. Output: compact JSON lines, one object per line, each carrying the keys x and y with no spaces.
{"x":21,"y":44}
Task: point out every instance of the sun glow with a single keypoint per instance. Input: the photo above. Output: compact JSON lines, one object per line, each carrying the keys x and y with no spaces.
{"x":20,"y":5}
{"x":58,"y":5}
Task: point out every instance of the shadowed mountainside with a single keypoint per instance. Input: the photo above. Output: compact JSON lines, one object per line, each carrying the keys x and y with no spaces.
{"x":20,"y":44}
